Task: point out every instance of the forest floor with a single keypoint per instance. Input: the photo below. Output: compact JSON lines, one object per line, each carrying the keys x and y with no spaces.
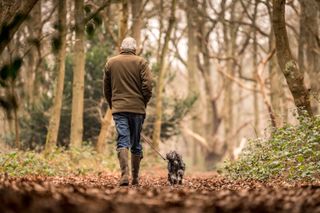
{"x":201,"y":192}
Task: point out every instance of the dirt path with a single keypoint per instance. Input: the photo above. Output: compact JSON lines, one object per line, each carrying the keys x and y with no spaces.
{"x":200,"y":193}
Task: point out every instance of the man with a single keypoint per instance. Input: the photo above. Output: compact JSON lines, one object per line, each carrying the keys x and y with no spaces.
{"x":128,"y":89}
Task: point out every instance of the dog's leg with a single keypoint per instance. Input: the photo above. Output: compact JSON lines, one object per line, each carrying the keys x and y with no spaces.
{"x":169,"y":178}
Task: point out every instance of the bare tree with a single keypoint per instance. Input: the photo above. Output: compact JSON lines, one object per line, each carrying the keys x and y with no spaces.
{"x":123,"y":25}
{"x":276,"y":79}
{"x":136,"y":11}
{"x":294,"y":77}
{"x":309,"y":46}
{"x":193,"y":72}
{"x":78,"y":77}
{"x":54,"y":123}
{"x":34,"y":26}
{"x":255,"y":68}
{"x":162,"y":73}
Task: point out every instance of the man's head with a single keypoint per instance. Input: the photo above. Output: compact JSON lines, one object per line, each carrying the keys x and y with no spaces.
{"x":129,"y":43}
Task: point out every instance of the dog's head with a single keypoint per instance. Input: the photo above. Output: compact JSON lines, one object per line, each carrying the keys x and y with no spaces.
{"x":172,"y":156}
{"x":174,"y":159}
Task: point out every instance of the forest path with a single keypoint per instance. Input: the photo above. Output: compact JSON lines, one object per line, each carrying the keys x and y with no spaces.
{"x":203,"y":192}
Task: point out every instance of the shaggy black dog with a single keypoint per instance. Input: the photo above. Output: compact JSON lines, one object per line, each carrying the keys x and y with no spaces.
{"x":176,"y":168}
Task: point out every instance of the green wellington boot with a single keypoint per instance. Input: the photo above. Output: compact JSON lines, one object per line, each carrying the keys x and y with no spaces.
{"x":135,"y":166}
{"x":123,"y":160}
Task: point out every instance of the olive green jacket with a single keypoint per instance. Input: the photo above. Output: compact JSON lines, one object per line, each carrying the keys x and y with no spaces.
{"x":127,"y":83}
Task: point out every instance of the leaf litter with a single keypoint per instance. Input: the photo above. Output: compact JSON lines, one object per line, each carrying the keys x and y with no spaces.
{"x":201,"y":192}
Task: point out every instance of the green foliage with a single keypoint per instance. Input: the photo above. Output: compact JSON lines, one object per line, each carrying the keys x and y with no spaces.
{"x":34,"y":127}
{"x":8,"y":75}
{"x":15,"y":67}
{"x":94,"y":23}
{"x":90,"y":28}
{"x":7,"y":27}
{"x":55,"y":44}
{"x":61,"y":162}
{"x":292,"y":152}
{"x":171,"y":120}
{"x":9,"y":72}
{"x":174,"y":110}
{"x":87,"y":8}
{"x":97,"y":20}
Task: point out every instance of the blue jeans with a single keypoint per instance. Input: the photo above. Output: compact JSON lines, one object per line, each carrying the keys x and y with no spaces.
{"x":129,"y":126}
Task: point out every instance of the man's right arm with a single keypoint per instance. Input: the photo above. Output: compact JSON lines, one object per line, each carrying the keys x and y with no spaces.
{"x":107,"y":90}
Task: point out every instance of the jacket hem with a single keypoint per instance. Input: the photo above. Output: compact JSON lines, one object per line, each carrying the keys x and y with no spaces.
{"x":126,"y":110}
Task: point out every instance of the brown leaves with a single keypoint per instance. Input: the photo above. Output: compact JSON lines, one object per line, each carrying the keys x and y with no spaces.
{"x":202,"y":192}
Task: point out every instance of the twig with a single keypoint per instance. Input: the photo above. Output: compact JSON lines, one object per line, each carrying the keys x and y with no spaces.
{"x":196,"y":136}
{"x":219,"y":69}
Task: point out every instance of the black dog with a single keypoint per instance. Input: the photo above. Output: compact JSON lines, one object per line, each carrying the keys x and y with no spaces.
{"x":176,"y":168}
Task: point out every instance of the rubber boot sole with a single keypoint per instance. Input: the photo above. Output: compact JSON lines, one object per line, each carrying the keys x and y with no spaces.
{"x":124,"y":184}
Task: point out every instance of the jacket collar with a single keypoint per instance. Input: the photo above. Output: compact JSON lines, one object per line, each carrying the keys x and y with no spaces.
{"x":127,"y":52}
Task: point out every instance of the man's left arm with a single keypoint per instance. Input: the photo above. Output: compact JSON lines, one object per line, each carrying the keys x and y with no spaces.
{"x":146,"y":77}
{"x":107,"y":90}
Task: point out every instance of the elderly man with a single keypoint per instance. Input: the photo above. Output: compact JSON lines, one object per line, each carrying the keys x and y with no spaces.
{"x":128,"y":89}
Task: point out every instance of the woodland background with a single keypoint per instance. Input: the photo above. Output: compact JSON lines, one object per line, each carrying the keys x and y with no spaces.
{"x":224,"y":71}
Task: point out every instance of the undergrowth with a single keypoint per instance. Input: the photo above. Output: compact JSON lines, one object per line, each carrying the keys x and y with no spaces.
{"x":291,"y":152}
{"x":62,"y":162}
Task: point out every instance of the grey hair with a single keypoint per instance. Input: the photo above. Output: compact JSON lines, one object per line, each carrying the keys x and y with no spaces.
{"x":129,"y":43}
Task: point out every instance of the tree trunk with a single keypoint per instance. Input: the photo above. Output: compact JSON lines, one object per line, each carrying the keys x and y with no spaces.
{"x":213,"y":119}
{"x":123,"y":26}
{"x":15,"y":117}
{"x":294,"y":77}
{"x":136,"y":6}
{"x":193,"y":79}
{"x":54,"y":123}
{"x":276,"y":90}
{"x":162,"y":73}
{"x":229,"y":33}
{"x":160,"y":29}
{"x":34,"y":28}
{"x":309,"y":51}
{"x":255,"y":73}
{"x":78,"y":77}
